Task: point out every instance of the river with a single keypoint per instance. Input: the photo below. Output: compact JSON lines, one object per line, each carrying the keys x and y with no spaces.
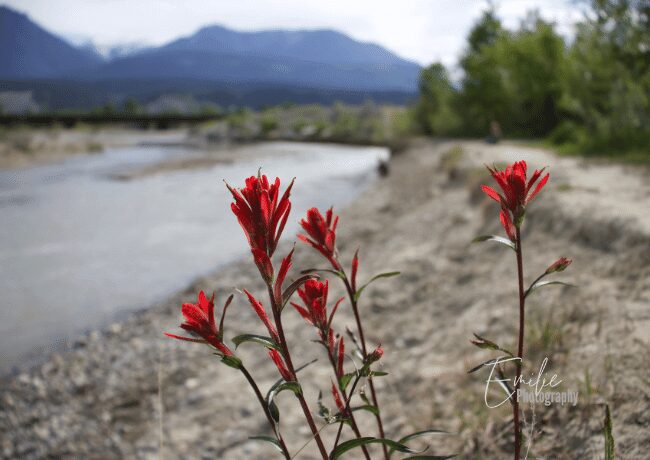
{"x":79,"y":249}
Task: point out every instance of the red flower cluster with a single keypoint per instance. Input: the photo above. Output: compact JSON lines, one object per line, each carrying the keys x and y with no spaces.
{"x":321,"y":232}
{"x":199,"y":320}
{"x":314,"y":296}
{"x":262,"y":213}
{"x":516,"y":193}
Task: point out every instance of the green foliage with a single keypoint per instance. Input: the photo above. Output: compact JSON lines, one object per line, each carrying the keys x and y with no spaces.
{"x":131,"y":107}
{"x":591,"y":96}
{"x":434,"y":113}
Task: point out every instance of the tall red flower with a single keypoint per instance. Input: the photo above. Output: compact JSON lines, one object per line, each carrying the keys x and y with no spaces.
{"x":516,"y":187}
{"x":262,"y":214}
{"x":314,"y":297}
{"x":517,"y":191}
{"x":321,"y":232}
{"x":199,"y":320}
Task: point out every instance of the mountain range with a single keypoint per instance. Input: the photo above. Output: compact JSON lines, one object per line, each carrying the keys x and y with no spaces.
{"x":216,"y":59}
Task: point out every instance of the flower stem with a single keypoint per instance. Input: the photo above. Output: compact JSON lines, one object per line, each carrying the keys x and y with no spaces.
{"x":347,"y":408}
{"x":364,"y":351}
{"x":520,"y":348}
{"x":260,"y":398}
{"x":287,"y":357}
{"x":355,"y":427}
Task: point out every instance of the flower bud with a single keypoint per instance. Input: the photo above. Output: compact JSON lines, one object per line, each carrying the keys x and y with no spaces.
{"x":559,"y":265}
{"x":374,"y":356}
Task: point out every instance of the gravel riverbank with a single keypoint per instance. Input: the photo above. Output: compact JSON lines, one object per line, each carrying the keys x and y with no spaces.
{"x":128,"y":392}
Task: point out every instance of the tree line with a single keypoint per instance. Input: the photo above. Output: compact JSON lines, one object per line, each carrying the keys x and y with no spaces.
{"x":590,"y":94}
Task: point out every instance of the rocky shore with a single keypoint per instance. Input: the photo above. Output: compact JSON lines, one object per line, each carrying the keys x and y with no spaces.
{"x":129,"y":392}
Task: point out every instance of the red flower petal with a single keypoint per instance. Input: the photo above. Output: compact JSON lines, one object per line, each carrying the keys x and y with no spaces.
{"x":259,"y":309}
{"x":539,"y":187}
{"x":279,"y":363}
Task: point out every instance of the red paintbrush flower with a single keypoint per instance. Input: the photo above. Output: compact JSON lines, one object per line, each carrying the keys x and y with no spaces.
{"x":262,"y":214}
{"x":199,"y":320}
{"x":516,"y":188}
{"x":279,"y":363}
{"x":314,"y":298}
{"x":321,"y":233}
{"x":259,"y":309}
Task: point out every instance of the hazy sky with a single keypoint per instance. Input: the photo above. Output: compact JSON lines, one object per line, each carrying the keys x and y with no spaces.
{"x":420,"y":30}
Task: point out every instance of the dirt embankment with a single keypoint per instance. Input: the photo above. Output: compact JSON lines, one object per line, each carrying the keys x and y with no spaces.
{"x":129,"y":392}
{"x":23,"y":147}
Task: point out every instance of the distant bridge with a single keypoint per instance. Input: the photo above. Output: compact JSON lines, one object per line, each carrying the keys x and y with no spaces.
{"x":164,"y":121}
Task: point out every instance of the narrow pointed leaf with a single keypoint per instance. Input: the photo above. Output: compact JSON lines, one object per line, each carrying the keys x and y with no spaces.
{"x":288,"y":292}
{"x":540,"y":284}
{"x":353,"y":443}
{"x":267,"y":342}
{"x":374,"y":278}
{"x":323,"y":270}
{"x":495,"y":238}
{"x":269,"y":439}
{"x":346,"y":379}
{"x":231,"y":361}
{"x":367,"y":407}
{"x":417,"y":434}
{"x":273,"y":408}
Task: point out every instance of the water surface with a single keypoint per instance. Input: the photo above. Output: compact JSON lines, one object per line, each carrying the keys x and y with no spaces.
{"x":78,"y":248}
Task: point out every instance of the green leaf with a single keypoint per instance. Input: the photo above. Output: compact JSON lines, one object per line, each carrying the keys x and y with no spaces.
{"x":495,"y":238}
{"x":417,"y":434}
{"x":376,"y":277}
{"x":231,"y":361}
{"x":293,"y":287}
{"x":353,"y":443}
{"x":367,"y":407}
{"x":323,"y":270}
{"x":609,"y":437}
{"x":377,"y":374}
{"x":273,"y":408}
{"x":346,"y":379}
{"x":540,"y":284}
{"x":273,"y":441}
{"x":268,"y":342}
{"x":484,"y":343}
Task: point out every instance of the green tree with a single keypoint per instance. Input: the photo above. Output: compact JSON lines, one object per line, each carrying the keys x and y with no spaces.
{"x":131,"y":107}
{"x":609,"y":79}
{"x":434,"y":111}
